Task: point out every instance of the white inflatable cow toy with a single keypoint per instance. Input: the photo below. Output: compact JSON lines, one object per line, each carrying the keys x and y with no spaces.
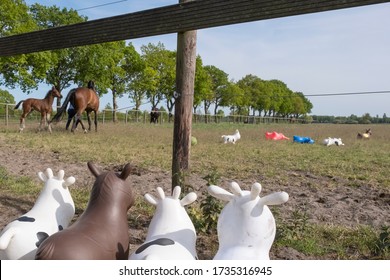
{"x":52,"y":212}
{"x":332,"y":141}
{"x":171,"y":233}
{"x":246,"y":226}
{"x":231,"y":138}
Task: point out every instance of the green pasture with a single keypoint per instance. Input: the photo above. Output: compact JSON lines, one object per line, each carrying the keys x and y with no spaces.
{"x":252,"y":159}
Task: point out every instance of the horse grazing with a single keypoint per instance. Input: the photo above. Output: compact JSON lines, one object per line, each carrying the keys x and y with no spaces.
{"x":101,"y":232}
{"x":171,"y":233}
{"x":52,"y":212}
{"x":246,"y":227}
{"x":82,"y":99}
{"x":365,"y":135}
{"x":44,"y":106}
{"x":154,"y":115}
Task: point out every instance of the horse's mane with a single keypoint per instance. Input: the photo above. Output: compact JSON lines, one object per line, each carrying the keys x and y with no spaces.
{"x":61,"y":111}
{"x":91,"y":85}
{"x":48,"y":93}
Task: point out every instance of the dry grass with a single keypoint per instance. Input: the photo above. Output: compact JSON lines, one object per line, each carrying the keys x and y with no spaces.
{"x":252,"y":156}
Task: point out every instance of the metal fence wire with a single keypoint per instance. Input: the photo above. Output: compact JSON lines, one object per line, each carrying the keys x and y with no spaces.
{"x":11,"y":117}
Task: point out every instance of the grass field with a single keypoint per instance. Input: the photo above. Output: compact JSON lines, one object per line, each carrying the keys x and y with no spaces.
{"x":253,"y":155}
{"x":359,"y":164}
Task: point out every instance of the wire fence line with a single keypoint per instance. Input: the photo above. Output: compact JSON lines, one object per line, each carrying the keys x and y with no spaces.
{"x":10,"y":117}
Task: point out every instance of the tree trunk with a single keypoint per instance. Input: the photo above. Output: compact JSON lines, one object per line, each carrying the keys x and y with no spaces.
{"x":185,"y":77}
{"x":114,"y":105}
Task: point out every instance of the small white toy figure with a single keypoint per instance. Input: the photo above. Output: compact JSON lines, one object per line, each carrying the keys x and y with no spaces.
{"x":171,"y":233}
{"x":52,"y":212}
{"x":332,"y":141}
{"x":231,"y":138}
{"x":246,"y":226}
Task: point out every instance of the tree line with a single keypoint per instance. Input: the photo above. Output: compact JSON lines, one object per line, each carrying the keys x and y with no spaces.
{"x":352,"y":119}
{"x":117,"y":68}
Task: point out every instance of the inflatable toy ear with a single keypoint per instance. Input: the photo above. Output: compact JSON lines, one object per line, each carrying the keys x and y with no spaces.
{"x":92,"y":167}
{"x":220,"y":193}
{"x":255,"y":190}
{"x":274,"y":198}
{"x":126,"y":171}
{"x":188,"y":199}
{"x":235,"y":189}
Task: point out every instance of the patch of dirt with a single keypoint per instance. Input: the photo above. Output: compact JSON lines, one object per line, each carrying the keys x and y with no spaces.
{"x":334,"y":203}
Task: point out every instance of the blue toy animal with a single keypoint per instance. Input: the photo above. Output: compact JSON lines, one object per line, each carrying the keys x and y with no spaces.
{"x":300,"y":139}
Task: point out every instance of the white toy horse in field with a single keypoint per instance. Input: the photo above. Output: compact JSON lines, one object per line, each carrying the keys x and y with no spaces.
{"x":332,"y":141}
{"x":231,"y":138}
{"x":171,"y":233}
{"x":52,"y":212}
{"x":246,"y":226}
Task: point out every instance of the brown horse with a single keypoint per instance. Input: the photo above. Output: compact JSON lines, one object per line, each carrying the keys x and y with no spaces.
{"x":44,"y":106}
{"x":154,"y":115}
{"x":82,"y":99}
{"x":101,"y":232}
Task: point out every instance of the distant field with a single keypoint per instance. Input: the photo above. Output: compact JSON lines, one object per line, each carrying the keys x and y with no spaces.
{"x":253,"y":155}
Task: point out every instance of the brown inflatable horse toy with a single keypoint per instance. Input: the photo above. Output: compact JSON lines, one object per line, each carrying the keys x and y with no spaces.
{"x":365,"y":135}
{"x":101,"y":232}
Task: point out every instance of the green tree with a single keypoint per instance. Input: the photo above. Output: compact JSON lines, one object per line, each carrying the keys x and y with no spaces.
{"x":160,"y":70}
{"x":278,"y":91}
{"x":253,"y":91}
{"x":366,"y":119}
{"x":7,"y":98}
{"x":134,"y":67}
{"x":58,"y":67}
{"x":385,"y":119}
{"x":232,"y":96}
{"x":14,"y":18}
{"x":111,"y":65}
{"x":202,"y":84}
{"x":219,"y":82}
{"x":17,"y":70}
{"x":286,"y":107}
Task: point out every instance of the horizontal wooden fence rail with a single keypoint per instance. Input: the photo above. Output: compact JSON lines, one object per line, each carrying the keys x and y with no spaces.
{"x":182,"y":17}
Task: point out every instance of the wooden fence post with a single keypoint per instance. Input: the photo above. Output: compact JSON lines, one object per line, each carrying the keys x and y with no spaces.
{"x":185,"y":77}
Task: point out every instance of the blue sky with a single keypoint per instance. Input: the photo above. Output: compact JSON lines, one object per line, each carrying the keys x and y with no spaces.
{"x":331,"y":52}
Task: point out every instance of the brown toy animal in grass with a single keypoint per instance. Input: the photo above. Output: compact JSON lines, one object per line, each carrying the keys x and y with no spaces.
{"x":365,"y":135}
{"x":101,"y":232}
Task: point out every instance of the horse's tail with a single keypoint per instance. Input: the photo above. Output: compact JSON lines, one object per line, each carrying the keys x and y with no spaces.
{"x":61,"y":111}
{"x":17,"y":105}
